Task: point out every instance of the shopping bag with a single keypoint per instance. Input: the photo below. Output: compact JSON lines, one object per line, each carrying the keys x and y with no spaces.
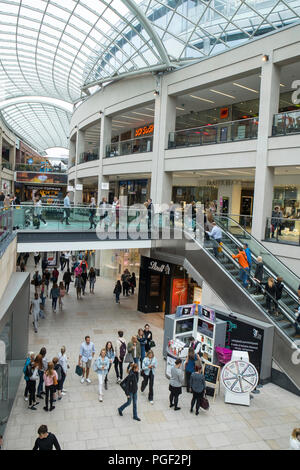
{"x":78,"y":370}
{"x":204,"y":403}
{"x":220,"y":247}
{"x":123,"y":384}
{"x":129,"y":358}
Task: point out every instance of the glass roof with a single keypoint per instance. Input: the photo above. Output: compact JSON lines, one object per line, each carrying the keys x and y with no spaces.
{"x":58,"y":48}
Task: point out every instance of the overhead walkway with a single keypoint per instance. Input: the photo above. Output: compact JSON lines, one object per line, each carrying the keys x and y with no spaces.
{"x":222,"y":273}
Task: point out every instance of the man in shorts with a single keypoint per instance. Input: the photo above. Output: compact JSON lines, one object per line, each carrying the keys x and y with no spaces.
{"x":87,"y":352}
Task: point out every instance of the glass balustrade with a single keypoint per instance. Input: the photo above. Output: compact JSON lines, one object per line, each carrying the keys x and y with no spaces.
{"x":283,"y":230}
{"x":215,"y":134}
{"x":6,"y":165}
{"x":88,"y":157}
{"x":286,"y":123}
{"x":128,"y":147}
{"x":6,"y":224}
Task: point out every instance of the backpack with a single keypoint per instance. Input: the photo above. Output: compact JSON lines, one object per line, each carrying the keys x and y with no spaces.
{"x":28,"y":371}
{"x":123,"y":348}
{"x":58,"y":368}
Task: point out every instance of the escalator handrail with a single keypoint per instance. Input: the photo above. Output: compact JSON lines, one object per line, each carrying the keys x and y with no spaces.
{"x":266,"y":268}
{"x":228,"y":254}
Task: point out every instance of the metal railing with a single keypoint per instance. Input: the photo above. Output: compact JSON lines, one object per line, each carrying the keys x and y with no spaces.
{"x":231,"y":131}
{"x":283,"y":230}
{"x":88,"y":157}
{"x":127,"y":147}
{"x":286,"y":123}
{"x":39,"y":168}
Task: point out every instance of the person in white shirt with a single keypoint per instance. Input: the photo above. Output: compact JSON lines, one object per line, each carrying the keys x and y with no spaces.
{"x":35,"y":308}
{"x":295,"y":439}
{"x":87,"y":352}
{"x":67,"y":209}
{"x":63,"y":361}
{"x":216,"y":235}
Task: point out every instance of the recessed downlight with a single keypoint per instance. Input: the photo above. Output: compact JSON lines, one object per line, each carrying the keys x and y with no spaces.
{"x":202,"y":99}
{"x":245,"y":87}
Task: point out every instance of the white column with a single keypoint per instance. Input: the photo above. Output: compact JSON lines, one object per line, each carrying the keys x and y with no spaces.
{"x":264,"y":175}
{"x":105,"y":139}
{"x":165,"y":121}
{"x":79,"y":150}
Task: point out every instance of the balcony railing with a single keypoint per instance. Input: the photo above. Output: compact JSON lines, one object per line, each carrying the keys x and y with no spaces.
{"x":127,"y":147}
{"x":215,"y":134}
{"x":6,"y":165}
{"x":286,"y":123}
{"x":88,"y":157}
{"x":39,"y":168}
{"x":283,"y":230}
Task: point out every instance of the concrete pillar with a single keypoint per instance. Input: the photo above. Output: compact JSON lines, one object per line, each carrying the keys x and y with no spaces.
{"x":72,"y":151}
{"x":165,"y":121}
{"x":105,"y":139}
{"x":264,"y":175}
{"x":79,"y":150}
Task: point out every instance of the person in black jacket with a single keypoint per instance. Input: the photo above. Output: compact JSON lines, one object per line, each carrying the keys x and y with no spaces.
{"x":132,"y":283}
{"x":259,"y":273}
{"x":279,"y":288}
{"x":148,"y":336}
{"x":46,"y":440}
{"x":131,"y":391}
{"x":270,"y":291}
{"x":67,"y":278}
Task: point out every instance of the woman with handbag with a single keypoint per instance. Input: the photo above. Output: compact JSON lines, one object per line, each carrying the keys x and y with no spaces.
{"x":148,"y":371}
{"x":51,"y":381}
{"x":175,"y":385}
{"x":101,"y":366}
{"x":131,"y":389}
{"x":198,"y":385}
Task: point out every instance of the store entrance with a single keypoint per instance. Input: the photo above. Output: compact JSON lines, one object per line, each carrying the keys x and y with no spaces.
{"x":246,"y":207}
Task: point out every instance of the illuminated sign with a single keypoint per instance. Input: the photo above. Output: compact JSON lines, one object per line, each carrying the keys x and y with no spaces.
{"x":224,"y":112}
{"x":144,"y":130}
{"x":34,"y":177}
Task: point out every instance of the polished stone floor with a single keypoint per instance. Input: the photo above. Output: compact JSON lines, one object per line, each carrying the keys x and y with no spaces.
{"x":80,"y":421}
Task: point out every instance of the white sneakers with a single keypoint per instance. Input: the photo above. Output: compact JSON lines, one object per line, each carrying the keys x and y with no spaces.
{"x":152,"y":402}
{"x":100,"y":398}
{"x":118,"y":380}
{"x":88,"y":381}
{"x":82,"y":380}
{"x":26,"y":398}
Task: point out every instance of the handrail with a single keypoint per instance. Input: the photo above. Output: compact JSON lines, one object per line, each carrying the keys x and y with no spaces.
{"x":268,"y":271}
{"x":227,"y":252}
{"x":131,"y":140}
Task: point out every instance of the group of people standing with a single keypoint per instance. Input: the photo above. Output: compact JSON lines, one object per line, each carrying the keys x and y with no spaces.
{"x":127,"y":284}
{"x":38,"y":371}
{"x":139,"y":355}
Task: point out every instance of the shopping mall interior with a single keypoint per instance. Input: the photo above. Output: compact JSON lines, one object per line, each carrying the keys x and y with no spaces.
{"x":155,"y":143}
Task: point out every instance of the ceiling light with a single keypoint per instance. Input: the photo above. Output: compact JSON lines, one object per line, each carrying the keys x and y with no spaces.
{"x":265,"y":58}
{"x":180,"y":109}
{"x":202,"y":99}
{"x":115,"y":125}
{"x":121,"y":122}
{"x":150,"y":109}
{"x":281,"y":84}
{"x":221,"y":93}
{"x":156,"y":93}
{"x":129,"y":117}
{"x":143,"y":114}
{"x":246,"y":88}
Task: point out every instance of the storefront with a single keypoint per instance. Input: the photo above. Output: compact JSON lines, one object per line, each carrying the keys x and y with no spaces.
{"x":163,"y":286}
{"x":188,"y":194}
{"x":49,"y":194}
{"x":114,"y":262}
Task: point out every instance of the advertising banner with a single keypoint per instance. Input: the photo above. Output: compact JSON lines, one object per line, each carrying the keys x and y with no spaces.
{"x":41,"y":178}
{"x":185,"y":310}
{"x":179,"y":293}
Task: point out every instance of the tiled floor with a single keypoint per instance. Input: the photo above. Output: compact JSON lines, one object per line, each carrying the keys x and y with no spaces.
{"x":80,"y":421}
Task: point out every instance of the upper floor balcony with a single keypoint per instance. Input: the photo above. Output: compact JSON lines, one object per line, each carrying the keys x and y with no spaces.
{"x":129,"y":147}
{"x":286,"y":123}
{"x":40,"y":168}
{"x":232,"y":131}
{"x":85,"y":157}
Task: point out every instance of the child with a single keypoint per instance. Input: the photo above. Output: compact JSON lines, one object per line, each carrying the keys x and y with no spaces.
{"x":117,"y":291}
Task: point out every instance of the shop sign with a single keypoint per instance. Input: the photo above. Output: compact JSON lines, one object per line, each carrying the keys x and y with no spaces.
{"x":163,"y":268}
{"x":105,"y":186}
{"x":70,"y":188}
{"x":144,"y":130}
{"x":79,"y":187}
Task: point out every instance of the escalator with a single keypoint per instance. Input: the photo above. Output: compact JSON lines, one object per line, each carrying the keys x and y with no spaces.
{"x":222,"y":275}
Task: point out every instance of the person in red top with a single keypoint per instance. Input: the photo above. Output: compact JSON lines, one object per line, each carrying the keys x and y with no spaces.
{"x":244,"y":266}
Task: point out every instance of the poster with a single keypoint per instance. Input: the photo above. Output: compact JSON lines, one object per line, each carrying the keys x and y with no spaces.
{"x":240,"y":336}
{"x":179,"y":293}
{"x":49,"y":178}
{"x":197,"y":295}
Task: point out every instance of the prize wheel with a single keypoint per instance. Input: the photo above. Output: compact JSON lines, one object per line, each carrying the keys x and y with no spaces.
{"x":239,"y":377}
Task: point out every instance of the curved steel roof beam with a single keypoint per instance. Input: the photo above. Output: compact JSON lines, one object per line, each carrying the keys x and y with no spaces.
{"x":131,"y":5}
{"x":56,"y":103}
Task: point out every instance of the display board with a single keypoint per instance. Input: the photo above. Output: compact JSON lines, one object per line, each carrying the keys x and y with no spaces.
{"x":212,"y":379}
{"x":185,"y":310}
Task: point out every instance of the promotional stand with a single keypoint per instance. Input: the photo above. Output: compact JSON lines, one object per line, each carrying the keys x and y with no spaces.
{"x":212,"y":379}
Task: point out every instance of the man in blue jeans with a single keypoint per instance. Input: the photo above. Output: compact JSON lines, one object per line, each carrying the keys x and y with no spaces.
{"x":131,"y":391}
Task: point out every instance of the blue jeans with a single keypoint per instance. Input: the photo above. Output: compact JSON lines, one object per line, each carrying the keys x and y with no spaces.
{"x":41,"y":382}
{"x":134,"y":397}
{"x":117,"y":297}
{"x":243,"y":276}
